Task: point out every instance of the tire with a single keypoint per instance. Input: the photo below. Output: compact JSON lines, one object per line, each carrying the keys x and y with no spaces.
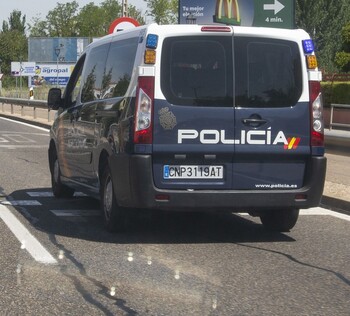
{"x":114,"y":216}
{"x":280,"y":220}
{"x":58,"y":188}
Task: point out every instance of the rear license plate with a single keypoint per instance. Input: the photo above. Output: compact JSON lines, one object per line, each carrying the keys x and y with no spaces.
{"x":193,"y":172}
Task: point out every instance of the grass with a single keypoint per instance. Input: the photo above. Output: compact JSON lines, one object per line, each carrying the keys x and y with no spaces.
{"x":40,"y":93}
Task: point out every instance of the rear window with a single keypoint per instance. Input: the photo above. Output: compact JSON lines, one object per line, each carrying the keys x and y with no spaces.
{"x":268,"y":73}
{"x":198,"y":70}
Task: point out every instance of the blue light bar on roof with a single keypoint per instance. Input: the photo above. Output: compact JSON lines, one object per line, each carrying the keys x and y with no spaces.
{"x":308,"y":46}
{"x":152,"y":41}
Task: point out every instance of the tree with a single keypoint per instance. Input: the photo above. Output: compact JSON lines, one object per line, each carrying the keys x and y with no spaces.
{"x":342,"y":59}
{"x":16,"y":22}
{"x":62,"y":20}
{"x":323,"y":20}
{"x":39,"y":28}
{"x":90,"y":21}
{"x":163,"y":11}
{"x":13,"y":41}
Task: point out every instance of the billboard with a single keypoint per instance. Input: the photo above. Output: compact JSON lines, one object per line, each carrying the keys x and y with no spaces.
{"x":51,"y":49}
{"x":22,"y":69}
{"x":266,"y":13}
{"x":52,"y":74}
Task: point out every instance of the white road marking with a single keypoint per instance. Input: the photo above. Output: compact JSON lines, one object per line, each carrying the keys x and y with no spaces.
{"x":23,"y":146}
{"x":21,"y":202}
{"x":50,"y":194}
{"x":75,"y":213}
{"x":25,"y":124}
{"x":320,"y":211}
{"x":27,"y":240}
{"x":18,"y":138}
{"x":323,"y":211}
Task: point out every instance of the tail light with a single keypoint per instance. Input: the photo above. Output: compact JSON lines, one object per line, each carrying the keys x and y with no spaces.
{"x":144,"y":111}
{"x":316,"y":108}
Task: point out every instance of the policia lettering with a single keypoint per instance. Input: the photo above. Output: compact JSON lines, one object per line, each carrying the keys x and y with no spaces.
{"x":231,"y":12}
{"x":252,"y":137}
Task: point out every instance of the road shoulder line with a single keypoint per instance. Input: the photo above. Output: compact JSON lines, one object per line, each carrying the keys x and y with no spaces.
{"x":27,"y":240}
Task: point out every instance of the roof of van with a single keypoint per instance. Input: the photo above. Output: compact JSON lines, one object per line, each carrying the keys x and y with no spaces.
{"x":187,"y":29}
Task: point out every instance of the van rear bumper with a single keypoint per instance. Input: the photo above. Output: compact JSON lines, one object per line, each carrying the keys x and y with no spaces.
{"x":134,"y":187}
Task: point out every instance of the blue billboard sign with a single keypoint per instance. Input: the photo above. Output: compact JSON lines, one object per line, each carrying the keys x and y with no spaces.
{"x":51,"y":49}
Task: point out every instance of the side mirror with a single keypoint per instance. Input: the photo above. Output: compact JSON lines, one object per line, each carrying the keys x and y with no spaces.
{"x":54,"y":99}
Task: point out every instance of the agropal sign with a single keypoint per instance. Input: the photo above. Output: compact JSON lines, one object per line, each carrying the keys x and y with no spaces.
{"x":52,"y":74}
{"x":266,"y":13}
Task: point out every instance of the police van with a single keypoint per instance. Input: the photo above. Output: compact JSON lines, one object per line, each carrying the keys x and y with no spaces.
{"x":192,"y":117}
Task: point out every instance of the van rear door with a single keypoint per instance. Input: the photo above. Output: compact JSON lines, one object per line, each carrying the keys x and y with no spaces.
{"x":193,"y":129}
{"x":235,"y":114}
{"x":272,"y":124}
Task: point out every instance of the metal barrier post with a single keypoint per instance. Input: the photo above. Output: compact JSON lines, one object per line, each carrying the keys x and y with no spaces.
{"x":34,"y":113}
{"x":48,"y":115}
{"x":11,"y":108}
{"x":331,"y":119}
{"x":22,"y":110}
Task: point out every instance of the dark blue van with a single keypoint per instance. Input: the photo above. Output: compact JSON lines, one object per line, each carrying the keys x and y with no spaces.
{"x":189,"y":117}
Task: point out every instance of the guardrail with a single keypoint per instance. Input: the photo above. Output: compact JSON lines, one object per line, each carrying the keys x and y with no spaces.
{"x":35,"y":104}
{"x":331,"y":124}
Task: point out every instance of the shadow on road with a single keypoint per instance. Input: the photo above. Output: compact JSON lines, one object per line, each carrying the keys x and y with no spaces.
{"x":158,"y":227}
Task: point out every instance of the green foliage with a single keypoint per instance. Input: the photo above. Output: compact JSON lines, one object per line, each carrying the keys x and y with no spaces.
{"x":323,"y":20}
{"x":90,"y":21}
{"x":61,"y":21}
{"x":336,"y":92}
{"x":342,"y":59}
{"x":16,"y":22}
{"x":68,"y":20}
{"x":163,"y":11}
{"x":38,"y":28}
{"x":13,"y":43}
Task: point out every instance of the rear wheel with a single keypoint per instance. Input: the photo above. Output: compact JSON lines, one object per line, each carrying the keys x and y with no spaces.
{"x":280,"y":220}
{"x":114,"y":216}
{"x":58,"y":188}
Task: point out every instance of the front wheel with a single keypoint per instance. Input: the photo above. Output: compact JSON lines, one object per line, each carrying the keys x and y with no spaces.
{"x":58,"y":188}
{"x":280,"y":220}
{"x":114,"y":216}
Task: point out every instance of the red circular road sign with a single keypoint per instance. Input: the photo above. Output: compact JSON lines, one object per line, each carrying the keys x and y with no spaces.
{"x":122,"y":24}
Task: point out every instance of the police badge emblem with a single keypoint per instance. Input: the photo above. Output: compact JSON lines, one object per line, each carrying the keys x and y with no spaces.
{"x":167,"y":118}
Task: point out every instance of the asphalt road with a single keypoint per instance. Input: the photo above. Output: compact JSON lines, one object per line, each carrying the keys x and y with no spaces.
{"x":57,"y":259}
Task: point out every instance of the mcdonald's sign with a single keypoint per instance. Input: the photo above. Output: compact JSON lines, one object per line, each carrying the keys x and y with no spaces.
{"x":227,"y":12}
{"x":267,"y":13}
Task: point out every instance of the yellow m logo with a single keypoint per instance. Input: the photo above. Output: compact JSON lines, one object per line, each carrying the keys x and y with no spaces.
{"x":230,"y":7}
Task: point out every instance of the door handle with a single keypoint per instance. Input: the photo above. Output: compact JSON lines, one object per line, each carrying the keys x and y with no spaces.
{"x":254,"y":121}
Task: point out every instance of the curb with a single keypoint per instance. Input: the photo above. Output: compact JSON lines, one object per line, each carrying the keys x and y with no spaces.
{"x":336,"y":205}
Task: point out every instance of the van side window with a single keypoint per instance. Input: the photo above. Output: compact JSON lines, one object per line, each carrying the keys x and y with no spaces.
{"x":93,"y":73}
{"x":268,"y":72}
{"x":197,"y":70}
{"x":119,"y":66}
{"x":73,"y":89}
